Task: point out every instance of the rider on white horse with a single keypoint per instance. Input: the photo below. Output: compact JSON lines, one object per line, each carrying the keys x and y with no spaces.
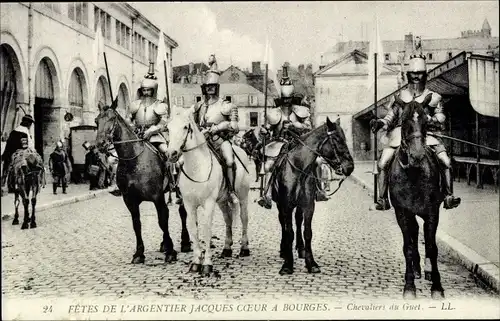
{"x":417,"y":78}
{"x":220,"y":119}
{"x":149,"y":115}
{"x":291,"y":114}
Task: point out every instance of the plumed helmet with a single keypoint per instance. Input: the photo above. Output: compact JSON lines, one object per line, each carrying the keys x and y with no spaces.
{"x":213,"y":73}
{"x":150,"y":81}
{"x":286,"y":84}
{"x":417,"y":64}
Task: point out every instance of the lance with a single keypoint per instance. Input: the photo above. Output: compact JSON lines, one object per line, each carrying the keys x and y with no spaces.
{"x":262,"y":170}
{"x":167,"y":96}
{"x":375,"y":145}
{"x":109,"y":79}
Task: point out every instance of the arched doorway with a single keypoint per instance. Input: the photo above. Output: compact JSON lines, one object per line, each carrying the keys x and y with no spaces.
{"x":77,"y":93}
{"x":123,"y":100}
{"x":46,"y":121}
{"x":102,"y":92}
{"x":9,"y":91}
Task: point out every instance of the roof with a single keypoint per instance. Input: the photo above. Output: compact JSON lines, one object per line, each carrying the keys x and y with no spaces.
{"x":357,"y":55}
{"x":486,"y":25}
{"x":453,"y":77}
{"x":225,"y":89}
{"x":183,"y":70}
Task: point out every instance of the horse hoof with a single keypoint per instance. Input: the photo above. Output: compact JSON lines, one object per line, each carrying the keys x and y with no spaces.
{"x":171,"y":257}
{"x":302,"y":253}
{"x":244,"y":252}
{"x":138,"y":259}
{"x":417,"y":274}
{"x":282,"y":255}
{"x":33,"y":225}
{"x":410,"y":292}
{"x":24,"y":226}
{"x":437,"y":294}
{"x":185,"y":248}
{"x":286,"y":270}
{"x":206,"y":270}
{"x":428,"y":276}
{"x":15,"y":222}
{"x":162,"y":248}
{"x":313,"y":269}
{"x":195,"y":268}
{"x":226,"y":253}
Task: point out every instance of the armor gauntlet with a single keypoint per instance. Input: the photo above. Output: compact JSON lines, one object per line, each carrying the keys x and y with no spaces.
{"x":233,"y":118}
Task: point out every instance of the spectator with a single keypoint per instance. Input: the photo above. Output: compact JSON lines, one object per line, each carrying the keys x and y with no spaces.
{"x":60,"y":168}
{"x":93,"y":168}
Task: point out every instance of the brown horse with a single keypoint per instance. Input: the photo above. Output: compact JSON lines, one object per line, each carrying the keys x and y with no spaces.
{"x":296,"y":186}
{"x":415,"y":190}
{"x":252,"y":145}
{"x":29,"y":176}
{"x":140,"y":176}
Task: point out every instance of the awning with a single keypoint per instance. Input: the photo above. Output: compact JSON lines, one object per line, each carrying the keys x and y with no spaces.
{"x":463,"y":74}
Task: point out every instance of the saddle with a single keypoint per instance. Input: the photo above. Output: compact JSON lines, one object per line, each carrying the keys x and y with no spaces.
{"x":26,"y":160}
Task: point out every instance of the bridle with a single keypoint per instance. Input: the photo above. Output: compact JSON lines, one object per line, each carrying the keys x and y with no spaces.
{"x":404,"y":144}
{"x":333,"y":163}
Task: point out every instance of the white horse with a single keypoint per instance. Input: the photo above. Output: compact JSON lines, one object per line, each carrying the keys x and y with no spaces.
{"x":202,"y":184}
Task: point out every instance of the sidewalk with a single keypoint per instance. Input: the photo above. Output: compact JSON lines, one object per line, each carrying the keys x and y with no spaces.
{"x":470,"y":232}
{"x":75,"y":193}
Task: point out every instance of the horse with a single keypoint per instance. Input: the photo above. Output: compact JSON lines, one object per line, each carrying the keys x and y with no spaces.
{"x":29,"y":176}
{"x":202,"y":184}
{"x":140,"y":176}
{"x":295,"y":186}
{"x":415,"y":190}
{"x":251,"y":144}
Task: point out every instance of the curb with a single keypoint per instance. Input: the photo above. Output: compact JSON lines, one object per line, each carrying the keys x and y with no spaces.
{"x":479,"y":266}
{"x":66,"y":201}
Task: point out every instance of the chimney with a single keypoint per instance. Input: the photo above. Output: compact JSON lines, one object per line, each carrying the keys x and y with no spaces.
{"x":408,"y":43}
{"x":191,"y":68}
{"x":256,"y":68}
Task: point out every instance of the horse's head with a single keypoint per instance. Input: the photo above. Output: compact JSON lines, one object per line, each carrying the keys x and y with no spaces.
{"x":334,"y":149}
{"x":181,"y":130}
{"x":106,"y":125}
{"x":414,"y":129}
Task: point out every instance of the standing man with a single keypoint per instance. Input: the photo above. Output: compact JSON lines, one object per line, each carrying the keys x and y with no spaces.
{"x":19,"y":138}
{"x":219,"y":118}
{"x":149,"y":115}
{"x":417,"y":79}
{"x":60,"y":167}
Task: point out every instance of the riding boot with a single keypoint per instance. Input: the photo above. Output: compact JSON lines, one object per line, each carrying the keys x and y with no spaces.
{"x":64,"y":189}
{"x":383,"y":201}
{"x":54,"y":188}
{"x":450,"y":201}
{"x":266,"y":199}
{"x":321,"y":194}
{"x":231,"y":175}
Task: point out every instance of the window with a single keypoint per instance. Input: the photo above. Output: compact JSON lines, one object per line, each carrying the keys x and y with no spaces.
{"x":122,"y":35}
{"x":105,"y":20}
{"x":228,"y":98}
{"x":450,"y":55}
{"x":387,"y":57}
{"x":179,"y":101}
{"x":254,"y":119}
{"x":198,"y":98}
{"x":252,"y":100}
{"x":79,"y":12}
{"x":430,"y":56}
{"x":153,"y":51}
{"x":56,"y":7}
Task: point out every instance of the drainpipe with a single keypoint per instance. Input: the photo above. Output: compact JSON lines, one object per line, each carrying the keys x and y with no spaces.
{"x":132,"y":90}
{"x":30,"y":46}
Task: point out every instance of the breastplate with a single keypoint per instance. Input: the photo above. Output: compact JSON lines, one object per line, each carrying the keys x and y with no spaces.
{"x":214,"y":113}
{"x":146,"y":116}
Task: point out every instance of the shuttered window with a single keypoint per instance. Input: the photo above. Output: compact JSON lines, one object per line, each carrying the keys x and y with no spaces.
{"x":75,"y":89}
{"x":43,"y":81}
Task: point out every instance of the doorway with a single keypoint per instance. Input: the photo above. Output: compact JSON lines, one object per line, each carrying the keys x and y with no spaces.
{"x":42,"y":118}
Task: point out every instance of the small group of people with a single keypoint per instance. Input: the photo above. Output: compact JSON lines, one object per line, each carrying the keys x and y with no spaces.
{"x":99,"y":169}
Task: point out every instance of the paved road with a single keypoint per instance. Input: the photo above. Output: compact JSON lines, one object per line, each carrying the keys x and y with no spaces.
{"x":85,"y":249}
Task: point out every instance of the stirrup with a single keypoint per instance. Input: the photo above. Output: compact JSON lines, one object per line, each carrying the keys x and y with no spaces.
{"x":451,"y":201}
{"x":382,"y":204}
{"x":265,"y":202}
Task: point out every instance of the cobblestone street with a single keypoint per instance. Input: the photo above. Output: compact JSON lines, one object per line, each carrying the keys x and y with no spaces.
{"x":85,"y":249}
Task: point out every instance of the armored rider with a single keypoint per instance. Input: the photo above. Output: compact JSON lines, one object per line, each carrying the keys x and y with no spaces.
{"x":219,"y":119}
{"x":290,"y":114}
{"x":149,"y":115}
{"x":417,"y":78}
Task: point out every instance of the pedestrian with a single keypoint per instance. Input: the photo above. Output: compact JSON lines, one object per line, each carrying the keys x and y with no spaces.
{"x":60,"y":168}
{"x":92,"y":168}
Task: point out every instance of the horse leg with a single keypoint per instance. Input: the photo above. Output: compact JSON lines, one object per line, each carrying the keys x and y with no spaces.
{"x":287,"y":267}
{"x":185,"y":241}
{"x":428,"y":265}
{"x":228,"y":219}
{"x":26,"y":203}
{"x":405,"y":224}
{"x":162,"y":211}
{"x":283,"y":236}
{"x":133,"y":207}
{"x":192,"y":227}
{"x":417,"y":271}
{"x":33,"y":218}
{"x":257,"y":169}
{"x":16,"y":204}
{"x":311,"y":265}
{"x":430,"y":228}
{"x":299,"y":242}
{"x":208,"y":214}
{"x":244,"y":251}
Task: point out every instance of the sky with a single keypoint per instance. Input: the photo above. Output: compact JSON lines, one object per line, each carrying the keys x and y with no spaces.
{"x":299,"y":32}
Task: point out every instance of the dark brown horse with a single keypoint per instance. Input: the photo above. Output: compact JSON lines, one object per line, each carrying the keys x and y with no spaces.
{"x":140,"y":176}
{"x":252,"y":145}
{"x":29,"y":177}
{"x":415,"y":190}
{"x":296,"y":186}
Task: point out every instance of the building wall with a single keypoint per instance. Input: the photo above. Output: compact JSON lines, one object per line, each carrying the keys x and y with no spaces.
{"x":66,"y":45}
